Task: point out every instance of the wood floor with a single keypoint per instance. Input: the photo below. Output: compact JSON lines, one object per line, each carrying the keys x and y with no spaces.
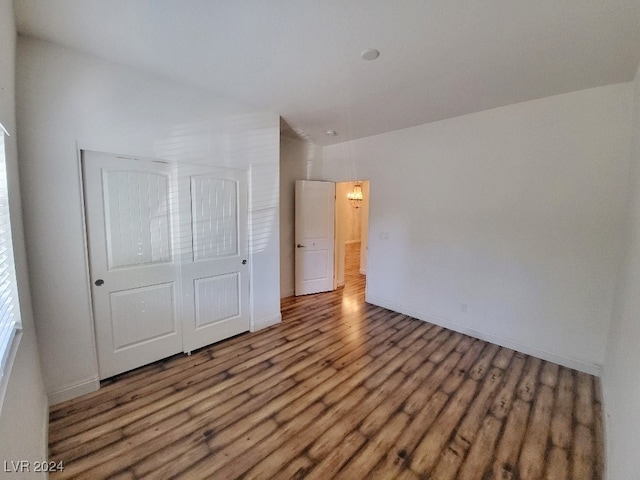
{"x":341,"y":389}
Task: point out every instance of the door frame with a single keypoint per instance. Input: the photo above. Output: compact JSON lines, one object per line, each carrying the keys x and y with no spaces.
{"x":366,"y":188}
{"x":94,"y":384}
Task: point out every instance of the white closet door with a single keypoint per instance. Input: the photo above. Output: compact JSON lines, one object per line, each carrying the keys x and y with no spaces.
{"x":134,"y":274}
{"x":168,"y":256}
{"x":214,"y":262}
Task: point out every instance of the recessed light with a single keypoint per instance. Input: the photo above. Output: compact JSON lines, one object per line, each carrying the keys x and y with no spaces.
{"x":370,"y":54}
{"x":331,"y":133}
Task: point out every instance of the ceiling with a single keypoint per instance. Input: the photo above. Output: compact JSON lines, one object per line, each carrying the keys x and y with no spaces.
{"x":301,"y":58}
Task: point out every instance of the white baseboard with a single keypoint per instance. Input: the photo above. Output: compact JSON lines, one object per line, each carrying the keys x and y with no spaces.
{"x":580,"y":365}
{"x":363,"y":271}
{"x":45,"y":428}
{"x":266,"y":322}
{"x":350,"y":242}
{"x":606,"y":421}
{"x":73,"y":391}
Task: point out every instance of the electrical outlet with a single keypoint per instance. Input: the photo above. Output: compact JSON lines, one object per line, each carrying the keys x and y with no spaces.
{"x":463,"y":307}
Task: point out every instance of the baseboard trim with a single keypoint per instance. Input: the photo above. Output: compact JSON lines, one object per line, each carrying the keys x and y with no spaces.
{"x":73,"y":391}
{"x":363,"y":271}
{"x":606,"y":421}
{"x":45,"y":428}
{"x":266,"y":322}
{"x":351,"y":242}
{"x":582,"y":366}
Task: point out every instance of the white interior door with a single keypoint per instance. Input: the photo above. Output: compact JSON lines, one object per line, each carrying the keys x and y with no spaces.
{"x":168,"y":249}
{"x":134,"y":273}
{"x":214,"y":261}
{"x":314,"y":236}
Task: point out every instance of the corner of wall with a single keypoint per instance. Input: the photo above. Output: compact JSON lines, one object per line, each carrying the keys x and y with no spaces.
{"x":266,"y":322}
{"x":73,"y":391}
{"x":618,"y":380}
{"x":24,"y":415}
{"x":573,"y":363}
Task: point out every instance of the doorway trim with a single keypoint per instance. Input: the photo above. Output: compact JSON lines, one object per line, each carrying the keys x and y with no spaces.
{"x":342,"y":205}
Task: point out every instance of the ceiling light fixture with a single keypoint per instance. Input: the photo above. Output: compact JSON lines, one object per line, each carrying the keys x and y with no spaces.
{"x":355,"y":197}
{"x":370,"y":54}
{"x":331,"y":133}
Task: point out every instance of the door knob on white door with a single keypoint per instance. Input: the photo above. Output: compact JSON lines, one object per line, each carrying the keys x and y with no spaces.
{"x":300,"y":245}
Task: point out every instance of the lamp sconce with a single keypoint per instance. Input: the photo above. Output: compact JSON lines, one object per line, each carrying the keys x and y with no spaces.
{"x":355,"y":197}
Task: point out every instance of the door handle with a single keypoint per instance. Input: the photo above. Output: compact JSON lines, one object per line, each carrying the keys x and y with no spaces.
{"x":99,"y":282}
{"x":300,"y":245}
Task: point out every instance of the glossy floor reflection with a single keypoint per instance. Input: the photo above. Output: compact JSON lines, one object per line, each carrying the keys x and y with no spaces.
{"x":340,"y":389}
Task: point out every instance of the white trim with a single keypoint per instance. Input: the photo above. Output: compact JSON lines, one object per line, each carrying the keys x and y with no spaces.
{"x":45,"y":429}
{"x":351,"y":242}
{"x":363,"y":271}
{"x":266,"y":322}
{"x":73,"y":391}
{"x":251,"y":254}
{"x":87,"y":269}
{"x":590,"y":368}
{"x":606,"y":419}
{"x":11,"y":356}
{"x":10,"y":320}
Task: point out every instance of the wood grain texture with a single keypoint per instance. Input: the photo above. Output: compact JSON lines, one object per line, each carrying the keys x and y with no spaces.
{"x":339,"y":389}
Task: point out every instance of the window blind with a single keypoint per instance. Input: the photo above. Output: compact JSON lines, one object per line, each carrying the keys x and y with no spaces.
{"x":9,"y":312}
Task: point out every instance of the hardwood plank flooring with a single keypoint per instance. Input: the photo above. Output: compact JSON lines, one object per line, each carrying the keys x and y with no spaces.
{"x":340,"y":389}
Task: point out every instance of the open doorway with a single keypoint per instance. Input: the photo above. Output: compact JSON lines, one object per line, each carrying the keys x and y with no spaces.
{"x":352,"y":227}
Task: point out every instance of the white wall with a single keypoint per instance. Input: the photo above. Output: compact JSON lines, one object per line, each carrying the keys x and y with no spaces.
{"x":299,"y":160}
{"x":621,"y":380}
{"x":24,"y":412}
{"x":69,"y":101}
{"x":515,"y":211}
